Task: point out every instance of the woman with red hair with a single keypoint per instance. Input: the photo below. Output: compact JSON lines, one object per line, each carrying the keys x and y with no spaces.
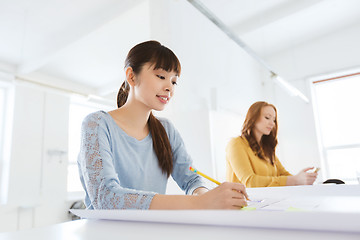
{"x":251,"y":159}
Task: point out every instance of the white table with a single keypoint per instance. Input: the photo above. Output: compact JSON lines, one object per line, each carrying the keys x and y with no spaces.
{"x":105,"y":229}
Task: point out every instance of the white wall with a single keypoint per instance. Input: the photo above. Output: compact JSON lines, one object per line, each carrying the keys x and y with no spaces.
{"x":38,"y":161}
{"x":298,"y":145}
{"x":218,"y":78}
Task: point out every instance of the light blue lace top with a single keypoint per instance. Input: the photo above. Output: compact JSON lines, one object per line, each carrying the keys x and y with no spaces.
{"x":118,"y":171}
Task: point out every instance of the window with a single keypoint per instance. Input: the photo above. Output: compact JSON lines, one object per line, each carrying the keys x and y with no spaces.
{"x":6,"y":107}
{"x":78,"y":110}
{"x":336,"y":105}
{"x":2,"y":117}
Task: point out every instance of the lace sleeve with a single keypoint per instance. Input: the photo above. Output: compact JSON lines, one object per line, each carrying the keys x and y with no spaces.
{"x":98,"y":173}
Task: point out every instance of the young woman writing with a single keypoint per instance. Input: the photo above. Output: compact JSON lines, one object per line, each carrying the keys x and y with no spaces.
{"x":251,"y":159}
{"x":127,"y":155}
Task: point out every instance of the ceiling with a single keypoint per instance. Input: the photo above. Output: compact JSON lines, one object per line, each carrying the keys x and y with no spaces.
{"x":84,"y":42}
{"x":277,"y":25}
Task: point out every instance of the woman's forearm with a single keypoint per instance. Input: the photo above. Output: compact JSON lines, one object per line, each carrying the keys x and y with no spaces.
{"x":291,"y":181}
{"x":160,"y":201}
{"x":225,"y":196}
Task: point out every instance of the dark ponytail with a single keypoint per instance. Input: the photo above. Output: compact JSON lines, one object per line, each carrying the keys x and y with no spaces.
{"x":160,"y":57}
{"x":123,"y":94}
{"x":161,"y":144}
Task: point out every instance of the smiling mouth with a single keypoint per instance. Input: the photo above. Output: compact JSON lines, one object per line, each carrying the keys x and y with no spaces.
{"x":163,"y":99}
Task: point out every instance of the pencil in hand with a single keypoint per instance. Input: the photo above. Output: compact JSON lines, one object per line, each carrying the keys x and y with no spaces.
{"x":209,"y":178}
{"x":204,"y":175}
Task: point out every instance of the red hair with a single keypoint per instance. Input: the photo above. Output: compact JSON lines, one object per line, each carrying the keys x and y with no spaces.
{"x":266,"y":148}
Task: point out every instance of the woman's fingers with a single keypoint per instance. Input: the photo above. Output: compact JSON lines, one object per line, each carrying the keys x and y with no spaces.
{"x":307,"y":169}
{"x":311,"y":177}
{"x":239,"y":203}
{"x":240,"y":188}
{"x":239,"y":195}
{"x":226,"y":196}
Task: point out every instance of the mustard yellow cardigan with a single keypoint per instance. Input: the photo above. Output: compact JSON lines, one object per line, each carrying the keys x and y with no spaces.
{"x":243,"y":166}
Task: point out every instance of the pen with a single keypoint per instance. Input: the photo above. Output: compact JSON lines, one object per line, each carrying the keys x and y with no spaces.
{"x":207,"y":177}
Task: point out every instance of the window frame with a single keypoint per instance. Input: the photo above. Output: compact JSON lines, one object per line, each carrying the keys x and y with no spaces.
{"x":338,"y":75}
{"x":7,"y":84}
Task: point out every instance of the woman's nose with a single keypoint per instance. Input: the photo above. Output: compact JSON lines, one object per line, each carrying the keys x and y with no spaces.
{"x":169,"y":87}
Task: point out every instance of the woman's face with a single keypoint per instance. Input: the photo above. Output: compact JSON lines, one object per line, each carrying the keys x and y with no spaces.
{"x":266,"y":121}
{"x":154,"y":88}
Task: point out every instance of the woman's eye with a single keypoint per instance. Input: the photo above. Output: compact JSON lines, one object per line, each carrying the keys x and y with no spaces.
{"x":174,"y":83}
{"x":161,"y":77}
{"x":267,"y":118}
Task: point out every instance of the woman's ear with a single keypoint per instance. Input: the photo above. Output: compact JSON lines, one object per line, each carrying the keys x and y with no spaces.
{"x":130,"y":76}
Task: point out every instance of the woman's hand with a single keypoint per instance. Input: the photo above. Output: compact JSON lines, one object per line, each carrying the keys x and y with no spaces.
{"x":303,"y":177}
{"x":226,"y":196}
